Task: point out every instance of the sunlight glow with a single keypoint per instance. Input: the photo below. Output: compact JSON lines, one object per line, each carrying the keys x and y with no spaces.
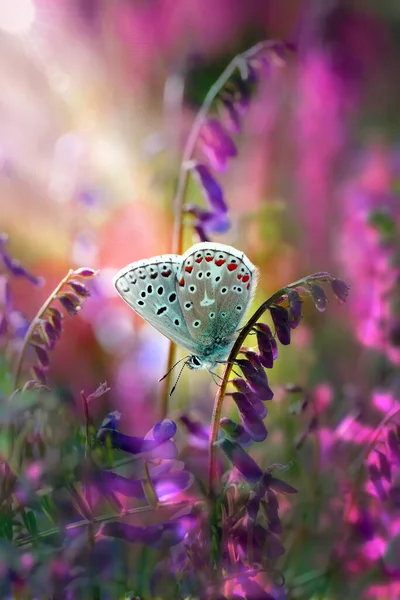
{"x":16,"y":16}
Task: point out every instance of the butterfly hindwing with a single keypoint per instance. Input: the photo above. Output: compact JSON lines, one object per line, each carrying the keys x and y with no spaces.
{"x":216,"y":283}
{"x":150,"y":288}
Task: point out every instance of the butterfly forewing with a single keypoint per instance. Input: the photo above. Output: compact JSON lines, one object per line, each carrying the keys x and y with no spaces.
{"x":150,"y":288}
{"x":216,"y":283}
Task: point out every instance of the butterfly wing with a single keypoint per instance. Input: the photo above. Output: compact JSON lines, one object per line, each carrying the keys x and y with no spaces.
{"x":216,"y":284}
{"x":150,"y":288}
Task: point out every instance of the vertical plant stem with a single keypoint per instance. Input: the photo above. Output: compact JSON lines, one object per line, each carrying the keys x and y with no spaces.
{"x":178,"y":203}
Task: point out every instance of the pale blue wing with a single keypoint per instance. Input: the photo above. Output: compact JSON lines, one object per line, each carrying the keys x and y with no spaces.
{"x":150,"y":288}
{"x":216,"y":284}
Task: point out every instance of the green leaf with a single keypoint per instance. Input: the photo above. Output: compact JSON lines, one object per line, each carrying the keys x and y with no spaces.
{"x":384,"y":222}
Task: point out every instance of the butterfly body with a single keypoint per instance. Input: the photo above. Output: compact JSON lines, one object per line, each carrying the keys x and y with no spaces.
{"x":197,"y":300}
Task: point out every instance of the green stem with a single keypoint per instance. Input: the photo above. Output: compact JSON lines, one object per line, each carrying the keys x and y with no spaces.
{"x":102,"y":519}
{"x":178,"y":203}
{"x":219,"y":398}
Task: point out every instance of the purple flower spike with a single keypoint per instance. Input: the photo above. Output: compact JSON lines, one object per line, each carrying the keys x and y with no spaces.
{"x":241,"y":461}
{"x":340,"y":289}
{"x":257,"y":405}
{"x":235,"y":431}
{"x":212,"y":190}
{"x":319,"y":296}
{"x":257,"y":379}
{"x":216,"y":144}
{"x":15,"y":267}
{"x":280,"y":317}
{"x":85,"y":272}
{"x":250,"y":419}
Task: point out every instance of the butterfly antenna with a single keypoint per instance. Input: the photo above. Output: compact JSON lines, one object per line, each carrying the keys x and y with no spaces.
{"x":177,"y":379}
{"x":173,"y":367}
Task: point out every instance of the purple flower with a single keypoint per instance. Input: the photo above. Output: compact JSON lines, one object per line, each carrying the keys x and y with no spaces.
{"x":340,"y":289}
{"x":319,"y":296}
{"x":280,"y":317}
{"x":212,"y":190}
{"x":235,"y":431}
{"x":250,"y":418}
{"x":241,"y":461}
{"x":216,"y":144}
{"x":14,"y":266}
{"x":256,"y":378}
{"x":157,"y":441}
{"x":208,"y":220}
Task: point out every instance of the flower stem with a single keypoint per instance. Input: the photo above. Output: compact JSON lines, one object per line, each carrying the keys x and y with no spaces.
{"x":219,"y":398}
{"x":34,"y":323}
{"x":178,"y":203}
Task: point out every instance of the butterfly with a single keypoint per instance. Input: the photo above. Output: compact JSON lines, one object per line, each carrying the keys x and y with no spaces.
{"x":197,"y":300}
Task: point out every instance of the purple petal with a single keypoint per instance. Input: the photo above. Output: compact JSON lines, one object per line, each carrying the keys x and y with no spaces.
{"x":384,"y":466}
{"x":168,"y":485}
{"x":42,"y":356}
{"x":79,"y":289}
{"x":163,"y":430}
{"x":340,"y":289}
{"x":131,"y":488}
{"x":216,"y":144}
{"x":250,"y":419}
{"x":241,"y":461}
{"x":111,"y":421}
{"x":281,"y":486}
{"x":256,"y":379}
{"x":140,"y":535}
{"x":70,"y":302}
{"x":15,"y":267}
{"x":280,"y":317}
{"x":235,"y":431}
{"x":211,"y":188}
{"x":267,"y":331}
{"x":85,"y":272}
{"x":394,"y":445}
{"x":319,"y":296}
{"x":231,"y":115}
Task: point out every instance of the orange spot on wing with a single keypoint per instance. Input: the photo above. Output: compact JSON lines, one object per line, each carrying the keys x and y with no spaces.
{"x":181,"y":282}
{"x":232,"y":266}
{"x":240,"y":276}
{"x":245,"y":278}
{"x":220,"y":262}
{"x":166,"y":273}
{"x":208,"y":258}
{"x":248,"y":286}
{"x":189,"y":269}
{"x":198,"y":260}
